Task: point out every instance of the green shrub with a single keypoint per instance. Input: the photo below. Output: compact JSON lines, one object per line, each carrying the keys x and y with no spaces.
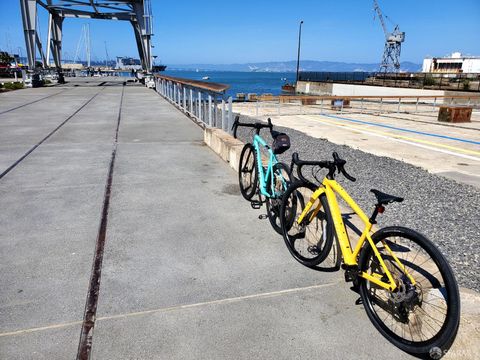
{"x":428,"y":81}
{"x":466,"y":84}
{"x":13,"y":85}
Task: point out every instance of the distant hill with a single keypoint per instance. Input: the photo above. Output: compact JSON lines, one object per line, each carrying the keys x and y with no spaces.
{"x":291,"y":66}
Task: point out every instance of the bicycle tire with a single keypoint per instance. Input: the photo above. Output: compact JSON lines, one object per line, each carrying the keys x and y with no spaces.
{"x":248,"y":172}
{"x":316,"y":235}
{"x":440,"y":302}
{"x":274,"y":203}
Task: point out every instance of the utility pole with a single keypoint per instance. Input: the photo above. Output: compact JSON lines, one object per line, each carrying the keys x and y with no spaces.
{"x":298,"y":55}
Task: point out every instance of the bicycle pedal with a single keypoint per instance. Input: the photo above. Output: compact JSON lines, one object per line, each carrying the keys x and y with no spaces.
{"x":263,"y":216}
{"x":255,"y":204}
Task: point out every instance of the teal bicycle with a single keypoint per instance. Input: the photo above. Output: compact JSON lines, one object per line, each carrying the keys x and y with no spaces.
{"x":266,"y":180}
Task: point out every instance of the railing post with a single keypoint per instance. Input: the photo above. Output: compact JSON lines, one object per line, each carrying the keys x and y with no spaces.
{"x":223,"y":112}
{"x":199,"y":107}
{"x":381,"y":104}
{"x":184,"y":98}
{"x":434,"y":104}
{"x":230,"y":113}
{"x":361,"y":110}
{"x":191,"y":102}
{"x":399,"y":102}
{"x":321,"y":107}
{"x":416,"y":106}
{"x":209,"y":110}
{"x":215,"y":111}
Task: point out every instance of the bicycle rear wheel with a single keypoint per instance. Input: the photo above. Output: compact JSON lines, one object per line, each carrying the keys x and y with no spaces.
{"x":247,"y":172}
{"x":310,"y":241}
{"x":281,"y":181}
{"x":420,"y":318}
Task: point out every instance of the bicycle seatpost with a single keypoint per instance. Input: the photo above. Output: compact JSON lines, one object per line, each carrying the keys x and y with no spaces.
{"x":294,"y":161}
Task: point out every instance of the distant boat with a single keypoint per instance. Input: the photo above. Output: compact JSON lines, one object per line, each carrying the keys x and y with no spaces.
{"x":158,"y":68}
{"x":288,"y":88}
{"x":205,"y":78}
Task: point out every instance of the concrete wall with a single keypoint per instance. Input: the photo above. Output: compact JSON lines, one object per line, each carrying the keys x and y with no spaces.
{"x":364,"y":90}
{"x":314,"y":88}
{"x":318,"y":88}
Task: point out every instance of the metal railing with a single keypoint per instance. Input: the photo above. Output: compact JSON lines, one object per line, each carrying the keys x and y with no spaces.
{"x":422,"y":106}
{"x":203,"y":101}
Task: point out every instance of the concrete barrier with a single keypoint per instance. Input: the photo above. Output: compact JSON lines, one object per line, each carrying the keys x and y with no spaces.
{"x":225,"y":145}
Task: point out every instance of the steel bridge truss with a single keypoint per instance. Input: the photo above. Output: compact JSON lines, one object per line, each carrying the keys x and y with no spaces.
{"x":138,"y":12}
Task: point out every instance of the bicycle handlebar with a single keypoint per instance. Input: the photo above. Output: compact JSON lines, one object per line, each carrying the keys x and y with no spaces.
{"x":332,"y":166}
{"x":258,"y":126}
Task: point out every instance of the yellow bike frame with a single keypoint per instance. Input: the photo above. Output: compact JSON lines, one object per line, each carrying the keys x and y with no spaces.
{"x":330,"y":187}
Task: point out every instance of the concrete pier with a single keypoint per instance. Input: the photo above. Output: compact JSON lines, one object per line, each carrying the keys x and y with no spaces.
{"x":188,"y":271}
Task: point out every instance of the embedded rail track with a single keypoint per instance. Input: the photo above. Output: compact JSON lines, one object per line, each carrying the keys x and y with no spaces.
{"x":32,"y":102}
{"x":86,"y":336}
{"x":32,"y":149}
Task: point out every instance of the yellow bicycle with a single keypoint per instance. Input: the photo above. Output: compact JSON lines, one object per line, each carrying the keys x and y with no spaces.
{"x":406,"y":285}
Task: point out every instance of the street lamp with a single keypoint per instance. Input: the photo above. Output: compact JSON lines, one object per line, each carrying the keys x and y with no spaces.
{"x":298,"y":57}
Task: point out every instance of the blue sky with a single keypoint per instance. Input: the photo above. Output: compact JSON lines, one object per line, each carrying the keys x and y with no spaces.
{"x":223,"y":32}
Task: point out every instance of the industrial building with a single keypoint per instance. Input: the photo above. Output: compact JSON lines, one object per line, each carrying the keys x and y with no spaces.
{"x":455,"y":63}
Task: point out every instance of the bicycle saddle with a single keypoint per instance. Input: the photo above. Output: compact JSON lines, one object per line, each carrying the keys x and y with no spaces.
{"x":385,"y":199}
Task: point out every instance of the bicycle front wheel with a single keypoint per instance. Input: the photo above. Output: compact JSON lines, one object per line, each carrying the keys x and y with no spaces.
{"x":247,"y":172}
{"x":420,"y":317}
{"x":309,"y":241}
{"x":281,"y":181}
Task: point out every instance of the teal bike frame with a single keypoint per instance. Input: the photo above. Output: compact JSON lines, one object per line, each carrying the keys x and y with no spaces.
{"x":267,"y":190}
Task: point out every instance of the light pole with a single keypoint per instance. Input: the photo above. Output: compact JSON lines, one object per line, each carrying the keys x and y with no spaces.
{"x":298,"y":56}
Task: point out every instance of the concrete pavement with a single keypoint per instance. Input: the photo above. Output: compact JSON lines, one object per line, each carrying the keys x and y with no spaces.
{"x":189,"y":272}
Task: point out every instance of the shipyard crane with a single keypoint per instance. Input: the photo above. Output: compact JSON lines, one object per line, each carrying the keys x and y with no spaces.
{"x":393,"y":44}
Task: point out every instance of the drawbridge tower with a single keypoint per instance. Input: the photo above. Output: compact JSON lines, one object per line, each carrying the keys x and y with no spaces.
{"x":137,"y":12}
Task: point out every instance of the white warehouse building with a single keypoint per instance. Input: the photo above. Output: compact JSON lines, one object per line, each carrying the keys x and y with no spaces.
{"x":456,"y":63}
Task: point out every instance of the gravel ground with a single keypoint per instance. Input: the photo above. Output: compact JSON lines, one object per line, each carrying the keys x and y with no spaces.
{"x":445,"y":211}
